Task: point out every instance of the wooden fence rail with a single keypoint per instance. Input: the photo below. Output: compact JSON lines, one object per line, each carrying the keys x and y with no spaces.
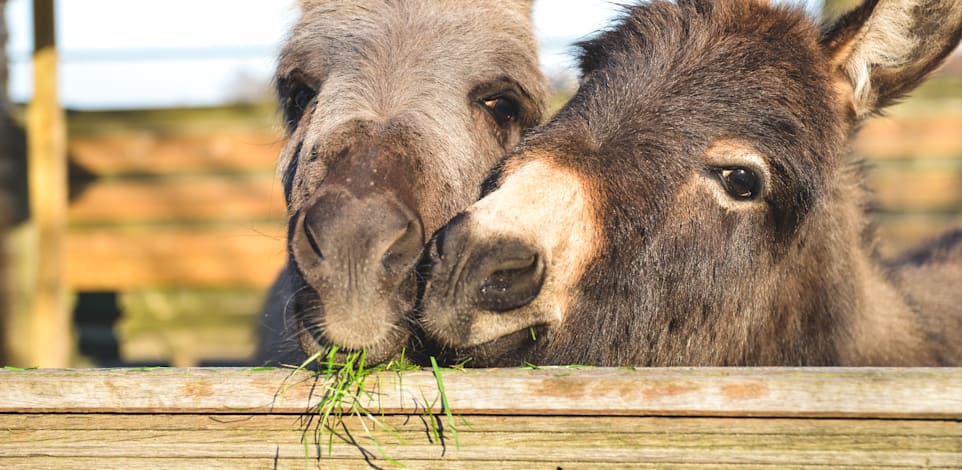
{"x":504,"y":418}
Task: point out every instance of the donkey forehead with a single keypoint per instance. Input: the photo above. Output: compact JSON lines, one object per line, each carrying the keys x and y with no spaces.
{"x":459,"y":41}
{"x":699,"y":72}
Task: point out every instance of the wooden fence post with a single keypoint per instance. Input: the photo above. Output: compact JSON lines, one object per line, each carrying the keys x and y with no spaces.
{"x":5,"y":169}
{"x":47,"y":169}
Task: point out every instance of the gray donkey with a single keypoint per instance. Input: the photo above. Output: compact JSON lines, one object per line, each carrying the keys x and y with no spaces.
{"x":694,"y":203}
{"x":395,"y":111}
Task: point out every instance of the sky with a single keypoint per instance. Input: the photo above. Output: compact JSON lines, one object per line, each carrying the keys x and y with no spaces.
{"x":119,"y":54}
{"x":146,"y":54}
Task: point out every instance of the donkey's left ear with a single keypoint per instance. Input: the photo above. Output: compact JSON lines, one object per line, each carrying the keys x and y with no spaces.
{"x":885,"y":48}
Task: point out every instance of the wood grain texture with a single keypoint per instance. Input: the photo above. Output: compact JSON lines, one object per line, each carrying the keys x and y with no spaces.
{"x":930,"y":135}
{"x":508,"y":418}
{"x":153,"y":153}
{"x":916,"y":187}
{"x":232,"y":255}
{"x":899,"y":232}
{"x":771,"y":392}
{"x":211,"y":198}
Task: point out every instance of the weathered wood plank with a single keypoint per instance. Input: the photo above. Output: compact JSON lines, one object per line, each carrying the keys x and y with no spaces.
{"x":898,"y":232}
{"x":244,"y":442}
{"x":240,"y":255}
{"x":508,"y":418}
{"x":258,"y":118}
{"x":942,"y":429}
{"x":55,"y":463}
{"x":918,"y":187}
{"x":183,"y":327}
{"x":771,"y":392}
{"x":611,"y":447}
{"x":182,"y":346}
{"x":557,"y":440}
{"x":151,"y":153}
{"x":255,"y":197}
{"x":928,"y":135}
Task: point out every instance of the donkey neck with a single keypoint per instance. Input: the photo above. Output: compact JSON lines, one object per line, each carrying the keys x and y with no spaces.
{"x":882,"y":326}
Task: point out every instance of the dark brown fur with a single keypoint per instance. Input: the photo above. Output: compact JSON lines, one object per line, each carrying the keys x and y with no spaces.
{"x":662,"y":266}
{"x":396,"y":109}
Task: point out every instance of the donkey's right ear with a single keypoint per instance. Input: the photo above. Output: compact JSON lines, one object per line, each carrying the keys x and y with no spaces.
{"x":883,"y":49}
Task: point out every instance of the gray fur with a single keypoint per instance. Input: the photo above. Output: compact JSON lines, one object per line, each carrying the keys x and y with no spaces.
{"x":397,"y":75}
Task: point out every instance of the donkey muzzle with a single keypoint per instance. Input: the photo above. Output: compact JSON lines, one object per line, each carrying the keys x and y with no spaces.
{"x":497,"y":275}
{"x":356,"y":243}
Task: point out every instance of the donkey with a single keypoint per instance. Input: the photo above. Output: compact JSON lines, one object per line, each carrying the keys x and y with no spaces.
{"x":694,"y":203}
{"x":396,"y":110}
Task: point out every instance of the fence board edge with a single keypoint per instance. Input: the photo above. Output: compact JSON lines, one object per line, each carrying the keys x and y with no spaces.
{"x":912,"y":393}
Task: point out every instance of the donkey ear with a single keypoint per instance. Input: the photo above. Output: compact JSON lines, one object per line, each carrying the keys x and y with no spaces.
{"x":883,"y":49}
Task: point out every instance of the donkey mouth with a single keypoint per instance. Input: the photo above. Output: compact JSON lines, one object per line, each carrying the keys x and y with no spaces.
{"x":315,"y":343}
{"x":510,"y":350}
{"x":378,"y":331}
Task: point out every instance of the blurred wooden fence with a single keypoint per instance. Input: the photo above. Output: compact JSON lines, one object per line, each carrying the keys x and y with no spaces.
{"x":175,"y":223}
{"x":7,"y":133}
{"x":180,"y":213}
{"x":914,"y":158}
{"x":173,"y":201}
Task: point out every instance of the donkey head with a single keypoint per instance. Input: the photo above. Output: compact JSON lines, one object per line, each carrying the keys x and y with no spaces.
{"x":395,"y":111}
{"x":692,"y":203}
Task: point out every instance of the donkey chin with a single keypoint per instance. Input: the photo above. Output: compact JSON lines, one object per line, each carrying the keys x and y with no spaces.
{"x":350,"y":325}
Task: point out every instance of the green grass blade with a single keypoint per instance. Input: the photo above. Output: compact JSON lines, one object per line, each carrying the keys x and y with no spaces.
{"x":444,"y":402}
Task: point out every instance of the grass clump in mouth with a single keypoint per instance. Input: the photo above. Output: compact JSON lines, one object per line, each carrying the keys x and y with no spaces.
{"x":342,"y":382}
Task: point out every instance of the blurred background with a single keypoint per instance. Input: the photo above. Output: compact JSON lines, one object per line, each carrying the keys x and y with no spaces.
{"x":174,"y":222}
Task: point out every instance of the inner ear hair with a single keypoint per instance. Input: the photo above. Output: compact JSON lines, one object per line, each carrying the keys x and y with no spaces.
{"x":883,"y":49}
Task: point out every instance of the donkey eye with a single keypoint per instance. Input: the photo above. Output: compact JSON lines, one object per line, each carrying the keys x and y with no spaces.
{"x":298,"y":100}
{"x":504,"y":110}
{"x":302,"y":97}
{"x":741,"y":183}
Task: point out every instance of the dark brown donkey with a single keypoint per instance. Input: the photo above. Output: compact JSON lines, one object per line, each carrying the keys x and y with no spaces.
{"x":694,"y":204}
{"x":396,"y":110}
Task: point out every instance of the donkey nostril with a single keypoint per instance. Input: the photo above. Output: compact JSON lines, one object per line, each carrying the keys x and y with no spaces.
{"x":509,"y":275}
{"x":451,"y":234}
{"x":511,"y":280}
{"x":405,"y":251}
{"x":308,"y":228}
